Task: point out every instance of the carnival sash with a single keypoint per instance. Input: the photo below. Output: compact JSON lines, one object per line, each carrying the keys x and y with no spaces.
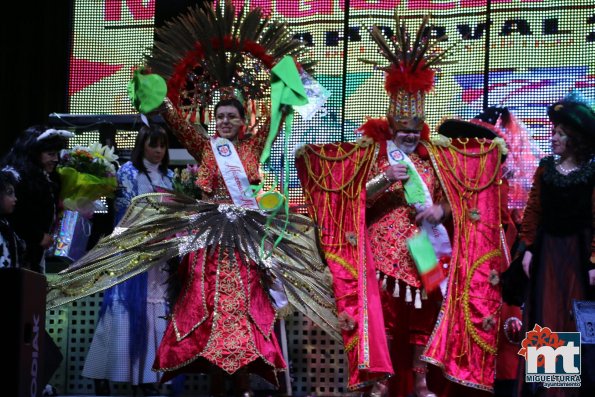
{"x":233,"y":172}
{"x":238,"y":186}
{"x":436,"y":234}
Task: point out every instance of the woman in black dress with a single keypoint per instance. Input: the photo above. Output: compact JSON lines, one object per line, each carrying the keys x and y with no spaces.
{"x":557,"y":231}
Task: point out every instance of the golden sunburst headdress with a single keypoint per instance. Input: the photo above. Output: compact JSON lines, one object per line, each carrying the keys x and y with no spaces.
{"x":210,"y":50}
{"x":409,"y":76}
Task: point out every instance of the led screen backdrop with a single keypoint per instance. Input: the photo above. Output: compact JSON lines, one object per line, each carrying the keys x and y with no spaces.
{"x":538,"y":51}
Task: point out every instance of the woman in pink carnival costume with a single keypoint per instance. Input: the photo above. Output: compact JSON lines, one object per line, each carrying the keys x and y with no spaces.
{"x":244,"y":264}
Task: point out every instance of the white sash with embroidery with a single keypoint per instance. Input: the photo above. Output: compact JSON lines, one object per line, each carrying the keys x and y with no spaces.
{"x":238,"y":186}
{"x":436,"y":233}
{"x":233,"y":173}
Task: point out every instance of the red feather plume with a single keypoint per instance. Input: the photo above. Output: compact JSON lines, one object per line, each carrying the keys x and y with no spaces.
{"x":377,"y":129}
{"x":403,"y":77}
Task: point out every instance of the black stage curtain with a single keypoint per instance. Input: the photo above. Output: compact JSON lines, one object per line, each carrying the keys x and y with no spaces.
{"x":36,"y":42}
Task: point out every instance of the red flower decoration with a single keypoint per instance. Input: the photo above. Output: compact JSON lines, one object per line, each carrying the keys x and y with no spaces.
{"x":444,"y":263}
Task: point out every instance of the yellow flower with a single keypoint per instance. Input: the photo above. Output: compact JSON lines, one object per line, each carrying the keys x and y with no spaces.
{"x":185,"y":175}
{"x":102,"y":152}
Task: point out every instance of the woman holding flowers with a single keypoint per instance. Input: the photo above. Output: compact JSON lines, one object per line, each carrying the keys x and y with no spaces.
{"x":132,"y":317}
{"x":35,"y":155}
{"x":87,"y":174}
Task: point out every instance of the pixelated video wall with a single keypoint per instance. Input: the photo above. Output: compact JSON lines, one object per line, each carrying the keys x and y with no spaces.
{"x":539,"y":50}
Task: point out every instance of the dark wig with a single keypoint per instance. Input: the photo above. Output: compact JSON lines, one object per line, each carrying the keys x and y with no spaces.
{"x":25,"y":154}
{"x":578,"y":121}
{"x":155,"y":134}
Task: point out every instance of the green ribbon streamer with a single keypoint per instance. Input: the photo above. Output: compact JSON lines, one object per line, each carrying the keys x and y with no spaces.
{"x":287,"y":91}
{"x":414,"y":191}
{"x":422,"y":252}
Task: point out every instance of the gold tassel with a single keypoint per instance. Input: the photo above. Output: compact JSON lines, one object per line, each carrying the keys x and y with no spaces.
{"x":408,"y":298}
{"x":424,"y":294}
{"x":384,"y":280}
{"x":417,"y":299}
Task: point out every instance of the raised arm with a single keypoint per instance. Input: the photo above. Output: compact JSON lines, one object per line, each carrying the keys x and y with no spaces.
{"x":260,"y":132}
{"x":193,"y":137}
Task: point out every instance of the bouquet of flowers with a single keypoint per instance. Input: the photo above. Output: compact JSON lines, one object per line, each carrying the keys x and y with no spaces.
{"x":185,"y":181}
{"x":87,"y":174}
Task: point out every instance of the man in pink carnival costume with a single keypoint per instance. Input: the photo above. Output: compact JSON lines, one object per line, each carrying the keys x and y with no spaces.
{"x":455,"y":326}
{"x":393,"y":215}
{"x":341,"y":179}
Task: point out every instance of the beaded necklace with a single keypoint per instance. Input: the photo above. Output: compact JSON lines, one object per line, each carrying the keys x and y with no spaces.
{"x":567,"y":171}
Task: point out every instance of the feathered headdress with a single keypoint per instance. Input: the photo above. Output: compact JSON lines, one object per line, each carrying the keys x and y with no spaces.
{"x":210,"y":50}
{"x":409,"y":76}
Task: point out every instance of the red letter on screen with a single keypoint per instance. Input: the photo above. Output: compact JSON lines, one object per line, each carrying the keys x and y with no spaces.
{"x":430,"y":5}
{"x":371,"y":4}
{"x":140,"y":10}
{"x":305,"y":8}
{"x":112,"y":10}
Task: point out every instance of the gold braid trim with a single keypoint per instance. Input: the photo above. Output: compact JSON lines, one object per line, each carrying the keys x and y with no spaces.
{"x":442,"y":162}
{"x":319,"y":179}
{"x":481,"y":141}
{"x":340,"y":157}
{"x":341,"y":261}
{"x":352,"y":344}
{"x":468,"y":324}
